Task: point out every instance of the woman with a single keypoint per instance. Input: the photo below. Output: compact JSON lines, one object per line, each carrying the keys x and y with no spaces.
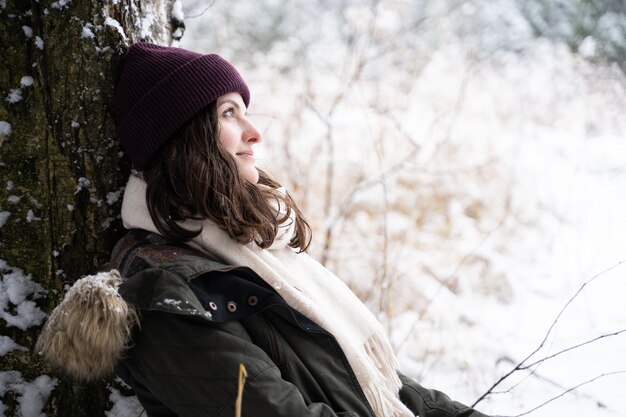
{"x":215,"y":266}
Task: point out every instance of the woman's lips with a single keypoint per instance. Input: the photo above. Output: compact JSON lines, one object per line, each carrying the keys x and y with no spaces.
{"x":246,"y":155}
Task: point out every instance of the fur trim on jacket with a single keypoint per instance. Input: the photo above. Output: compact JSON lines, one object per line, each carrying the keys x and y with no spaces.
{"x":89,"y":331}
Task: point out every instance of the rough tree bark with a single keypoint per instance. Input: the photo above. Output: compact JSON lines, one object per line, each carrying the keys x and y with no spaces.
{"x":61,"y":170}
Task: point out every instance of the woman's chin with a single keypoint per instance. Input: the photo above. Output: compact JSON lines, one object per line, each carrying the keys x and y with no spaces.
{"x":251,"y":176}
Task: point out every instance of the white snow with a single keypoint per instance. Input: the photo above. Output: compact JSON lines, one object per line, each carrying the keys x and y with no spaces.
{"x":5,"y":128}
{"x":34,"y":201}
{"x":14,"y":96}
{"x":82,"y":183}
{"x":89,"y":283}
{"x":28,"y":31}
{"x":7,"y":345}
{"x":588,"y":47}
{"x":109,"y":21}
{"x":4,"y":215}
{"x":113,"y":197}
{"x":15,"y":289}
{"x":107,"y":223}
{"x":30,"y":216}
{"x":10,"y":185}
{"x":87,"y":33}
{"x":14,"y":199}
{"x":34,"y":396}
{"x":60,"y":4}
{"x":31,"y":396}
{"x":27,"y":81}
{"x":39,"y":43}
{"x":177,"y":11}
{"x":9,"y":379}
{"x":75,"y":125}
{"x":146,"y":24}
{"x":123,"y":406}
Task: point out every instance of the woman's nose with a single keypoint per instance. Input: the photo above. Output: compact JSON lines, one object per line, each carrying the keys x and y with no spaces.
{"x":251,"y":133}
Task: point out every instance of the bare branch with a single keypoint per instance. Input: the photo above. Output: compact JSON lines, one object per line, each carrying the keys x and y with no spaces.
{"x":533,"y":372}
{"x":571,"y":348}
{"x":202,"y":12}
{"x":330,"y":173}
{"x":351,"y":78}
{"x":521,"y":365}
{"x":385,"y":287}
{"x":572,"y":298}
{"x":563,"y":393}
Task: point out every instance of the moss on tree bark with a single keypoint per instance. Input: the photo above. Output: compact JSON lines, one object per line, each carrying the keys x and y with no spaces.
{"x":61,"y":169}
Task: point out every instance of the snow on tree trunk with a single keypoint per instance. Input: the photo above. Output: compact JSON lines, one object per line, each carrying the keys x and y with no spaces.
{"x":61,"y":175}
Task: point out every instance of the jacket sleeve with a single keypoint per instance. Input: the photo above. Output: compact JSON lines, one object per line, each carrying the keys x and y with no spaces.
{"x":180,"y":366}
{"x":431,"y":403}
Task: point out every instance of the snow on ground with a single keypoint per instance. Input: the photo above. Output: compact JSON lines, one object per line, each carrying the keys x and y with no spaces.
{"x":565,"y":147}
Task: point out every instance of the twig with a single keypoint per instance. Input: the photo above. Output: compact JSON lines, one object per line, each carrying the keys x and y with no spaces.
{"x":384,"y":301}
{"x":351,"y":77}
{"x":563,"y":393}
{"x":456,"y":111}
{"x":202,"y":12}
{"x":523,"y":361}
{"x":533,"y":372}
{"x":330,"y":173}
{"x":571,"y":348}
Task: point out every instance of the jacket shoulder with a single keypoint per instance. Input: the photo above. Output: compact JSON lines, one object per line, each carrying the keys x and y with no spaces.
{"x":170,"y":277}
{"x":140,"y":249}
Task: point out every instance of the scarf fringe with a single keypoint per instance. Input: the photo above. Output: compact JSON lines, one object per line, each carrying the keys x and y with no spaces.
{"x":385,"y":402}
{"x":384,"y":359}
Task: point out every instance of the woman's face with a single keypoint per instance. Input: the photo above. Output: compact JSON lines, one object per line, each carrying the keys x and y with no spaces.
{"x":238,"y":135}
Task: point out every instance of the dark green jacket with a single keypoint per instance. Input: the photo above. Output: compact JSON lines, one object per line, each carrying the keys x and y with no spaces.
{"x":200,"y":319}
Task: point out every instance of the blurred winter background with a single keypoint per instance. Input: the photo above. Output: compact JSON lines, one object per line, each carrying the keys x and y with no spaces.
{"x":463,"y":166}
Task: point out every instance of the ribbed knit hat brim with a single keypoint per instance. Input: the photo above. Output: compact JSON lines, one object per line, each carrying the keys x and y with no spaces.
{"x":160,"y":89}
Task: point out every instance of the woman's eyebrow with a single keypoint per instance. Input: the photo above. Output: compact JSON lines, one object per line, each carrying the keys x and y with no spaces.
{"x":234,"y":103}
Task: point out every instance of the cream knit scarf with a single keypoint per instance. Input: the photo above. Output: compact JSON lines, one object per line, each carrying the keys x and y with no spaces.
{"x":306,"y":286}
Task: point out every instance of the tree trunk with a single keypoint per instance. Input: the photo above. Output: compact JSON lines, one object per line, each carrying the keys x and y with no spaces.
{"x":61,"y":173}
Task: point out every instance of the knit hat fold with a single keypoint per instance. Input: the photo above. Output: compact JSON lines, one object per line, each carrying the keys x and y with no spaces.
{"x":160,"y":89}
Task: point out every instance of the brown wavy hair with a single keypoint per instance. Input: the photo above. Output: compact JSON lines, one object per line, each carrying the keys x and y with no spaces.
{"x":193,"y":177}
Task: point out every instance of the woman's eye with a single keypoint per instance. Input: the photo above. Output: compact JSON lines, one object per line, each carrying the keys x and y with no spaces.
{"x":229,"y":112}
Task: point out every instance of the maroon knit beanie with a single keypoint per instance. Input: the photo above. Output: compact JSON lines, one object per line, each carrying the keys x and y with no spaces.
{"x":159,"y":89}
